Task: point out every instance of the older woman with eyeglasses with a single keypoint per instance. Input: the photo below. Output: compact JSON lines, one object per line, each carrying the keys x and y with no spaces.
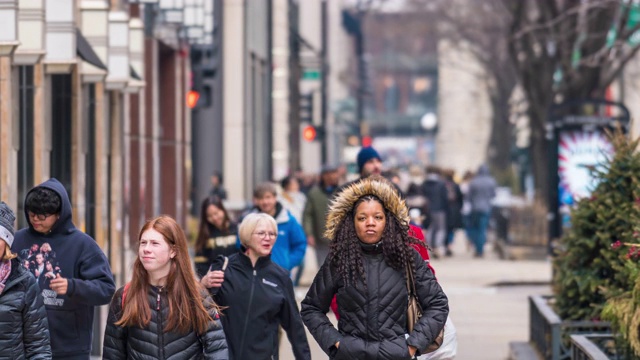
{"x":258,"y":295}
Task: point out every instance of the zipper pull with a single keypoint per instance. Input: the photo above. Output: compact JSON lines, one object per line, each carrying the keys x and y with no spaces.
{"x":158,"y":300}
{"x":254,"y":272}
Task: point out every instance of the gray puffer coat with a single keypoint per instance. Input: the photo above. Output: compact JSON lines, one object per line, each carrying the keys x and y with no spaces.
{"x":152,"y":342}
{"x":24,"y":330}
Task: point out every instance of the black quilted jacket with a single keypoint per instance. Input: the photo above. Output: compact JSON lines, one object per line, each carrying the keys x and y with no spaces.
{"x":24,"y":331}
{"x":151,"y":342}
{"x":372,"y":324}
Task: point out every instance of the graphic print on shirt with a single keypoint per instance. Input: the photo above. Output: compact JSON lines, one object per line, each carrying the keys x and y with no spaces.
{"x":41,"y":261}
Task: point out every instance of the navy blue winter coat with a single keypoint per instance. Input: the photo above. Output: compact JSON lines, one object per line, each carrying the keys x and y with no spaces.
{"x":78,"y":258}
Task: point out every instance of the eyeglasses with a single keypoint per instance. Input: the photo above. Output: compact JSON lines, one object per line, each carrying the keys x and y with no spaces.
{"x":263,"y":234}
{"x":39,"y":217}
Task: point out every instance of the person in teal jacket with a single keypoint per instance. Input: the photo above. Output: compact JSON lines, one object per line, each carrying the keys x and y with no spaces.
{"x":291,"y":243}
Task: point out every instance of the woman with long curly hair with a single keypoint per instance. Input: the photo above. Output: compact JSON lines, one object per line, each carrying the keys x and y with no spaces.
{"x":370,"y":254}
{"x":216,"y":235}
{"x":163,"y":312}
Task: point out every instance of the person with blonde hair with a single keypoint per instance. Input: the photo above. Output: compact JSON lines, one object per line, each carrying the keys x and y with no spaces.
{"x":258,"y":295}
{"x":24,"y":329}
{"x":163,"y":312}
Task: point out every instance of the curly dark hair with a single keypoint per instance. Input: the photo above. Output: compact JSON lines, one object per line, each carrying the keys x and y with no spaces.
{"x":346,"y":249}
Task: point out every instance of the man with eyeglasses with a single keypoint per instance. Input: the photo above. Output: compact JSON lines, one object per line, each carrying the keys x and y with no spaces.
{"x":291,"y":242}
{"x":84,"y":280}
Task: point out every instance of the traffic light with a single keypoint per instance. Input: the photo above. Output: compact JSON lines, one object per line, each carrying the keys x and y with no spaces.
{"x":306,"y":107}
{"x":192,"y":98}
{"x":312,"y":133}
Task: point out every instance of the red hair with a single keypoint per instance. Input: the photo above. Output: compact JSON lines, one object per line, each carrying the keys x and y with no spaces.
{"x":186,"y":310}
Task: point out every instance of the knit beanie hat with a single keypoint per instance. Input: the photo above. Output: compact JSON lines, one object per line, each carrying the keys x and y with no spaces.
{"x":7,"y":218}
{"x":366,"y":154}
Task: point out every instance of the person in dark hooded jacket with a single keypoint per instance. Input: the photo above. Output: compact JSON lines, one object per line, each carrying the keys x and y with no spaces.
{"x":366,"y":269}
{"x":23,"y":320}
{"x":84,"y":280}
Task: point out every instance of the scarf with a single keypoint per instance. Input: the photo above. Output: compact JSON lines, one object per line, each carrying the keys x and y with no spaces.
{"x":5,"y":270}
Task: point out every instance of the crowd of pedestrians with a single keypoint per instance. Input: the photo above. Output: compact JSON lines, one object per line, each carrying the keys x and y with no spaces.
{"x":238,"y":299}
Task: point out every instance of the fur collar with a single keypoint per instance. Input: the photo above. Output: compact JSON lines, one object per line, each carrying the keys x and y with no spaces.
{"x":373,"y":185}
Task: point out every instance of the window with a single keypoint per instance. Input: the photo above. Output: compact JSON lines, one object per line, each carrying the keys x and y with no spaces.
{"x":61,"y":129}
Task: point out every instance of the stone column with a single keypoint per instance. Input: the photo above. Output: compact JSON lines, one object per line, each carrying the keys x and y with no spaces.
{"x":8,"y":169}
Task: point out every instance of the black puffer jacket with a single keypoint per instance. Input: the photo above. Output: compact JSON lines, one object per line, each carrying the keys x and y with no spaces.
{"x":373,"y":325}
{"x":152,"y":342}
{"x":373,"y":322}
{"x":23,"y":319}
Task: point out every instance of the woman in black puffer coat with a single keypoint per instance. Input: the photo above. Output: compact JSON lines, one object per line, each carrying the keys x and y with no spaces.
{"x":163,"y":313}
{"x":369,"y":252}
{"x":23,"y":319}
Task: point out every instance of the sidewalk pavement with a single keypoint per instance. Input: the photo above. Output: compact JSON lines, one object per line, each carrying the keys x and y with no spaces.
{"x":487,"y":300}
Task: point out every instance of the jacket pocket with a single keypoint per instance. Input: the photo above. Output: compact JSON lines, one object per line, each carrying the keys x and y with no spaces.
{"x":63,"y":329}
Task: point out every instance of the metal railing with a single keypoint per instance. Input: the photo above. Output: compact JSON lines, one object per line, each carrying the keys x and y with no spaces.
{"x":550,"y":334}
{"x":582,"y":348}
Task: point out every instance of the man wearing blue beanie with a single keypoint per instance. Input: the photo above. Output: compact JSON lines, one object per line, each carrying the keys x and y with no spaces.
{"x":369,"y":162}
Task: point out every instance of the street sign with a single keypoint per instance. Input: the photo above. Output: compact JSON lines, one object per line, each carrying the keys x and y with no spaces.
{"x":311,"y":74}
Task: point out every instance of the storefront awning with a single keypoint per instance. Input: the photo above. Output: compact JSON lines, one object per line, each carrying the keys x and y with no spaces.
{"x":85,"y":51}
{"x":133,"y":73}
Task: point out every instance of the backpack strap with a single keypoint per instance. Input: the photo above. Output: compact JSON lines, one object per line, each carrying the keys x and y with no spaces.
{"x":124,"y":294}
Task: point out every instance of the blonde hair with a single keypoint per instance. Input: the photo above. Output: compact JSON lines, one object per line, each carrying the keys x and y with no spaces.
{"x":250,"y":223}
{"x":8,"y":255}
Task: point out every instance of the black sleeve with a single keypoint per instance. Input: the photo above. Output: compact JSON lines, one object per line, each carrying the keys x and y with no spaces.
{"x":214,"y":341}
{"x":292,"y":323}
{"x":115,"y":337}
{"x":35,"y":327}
{"x":316,"y":305}
{"x":434,"y":303}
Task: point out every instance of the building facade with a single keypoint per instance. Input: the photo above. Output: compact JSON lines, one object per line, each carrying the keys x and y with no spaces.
{"x":92,"y":92}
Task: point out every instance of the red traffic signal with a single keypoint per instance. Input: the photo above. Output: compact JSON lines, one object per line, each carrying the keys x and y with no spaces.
{"x":309,"y":133}
{"x":192,"y":98}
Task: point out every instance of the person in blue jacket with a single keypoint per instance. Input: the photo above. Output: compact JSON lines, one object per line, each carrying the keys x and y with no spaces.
{"x":84,"y":280}
{"x":291,"y":243}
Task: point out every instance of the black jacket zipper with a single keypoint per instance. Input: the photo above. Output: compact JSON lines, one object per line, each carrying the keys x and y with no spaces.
{"x":160,"y":327}
{"x":246,"y":319}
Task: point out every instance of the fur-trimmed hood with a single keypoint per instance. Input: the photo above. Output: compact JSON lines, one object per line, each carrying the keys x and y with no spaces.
{"x":373,"y":185}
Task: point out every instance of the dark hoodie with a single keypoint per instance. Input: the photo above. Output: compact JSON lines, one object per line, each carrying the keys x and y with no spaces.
{"x":90,"y":281}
